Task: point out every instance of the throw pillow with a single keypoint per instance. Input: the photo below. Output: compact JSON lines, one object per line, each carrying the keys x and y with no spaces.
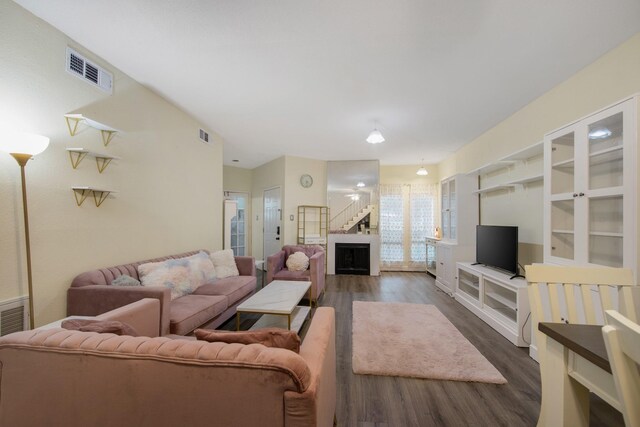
{"x":269,"y":337}
{"x":298,"y":261}
{"x":125,"y":280}
{"x":225,"y":264}
{"x":181,"y":275}
{"x":99,"y":326}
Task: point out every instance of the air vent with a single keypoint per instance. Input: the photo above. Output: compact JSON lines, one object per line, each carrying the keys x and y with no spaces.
{"x":204,"y":136}
{"x":91,"y":73}
{"x":13,"y":316}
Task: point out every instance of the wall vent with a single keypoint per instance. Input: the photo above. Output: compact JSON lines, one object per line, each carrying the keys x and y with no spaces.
{"x":86,"y":70}
{"x":14,"y":316}
{"x":204,"y":136}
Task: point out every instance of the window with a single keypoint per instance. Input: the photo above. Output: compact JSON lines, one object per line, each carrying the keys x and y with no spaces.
{"x":407,"y":217}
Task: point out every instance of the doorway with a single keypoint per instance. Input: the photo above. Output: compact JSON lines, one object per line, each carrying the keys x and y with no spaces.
{"x":272,"y":225}
{"x":239,"y":226}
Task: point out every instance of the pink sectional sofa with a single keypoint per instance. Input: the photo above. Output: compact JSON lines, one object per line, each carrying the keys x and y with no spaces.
{"x":73,"y":378}
{"x":209,"y":306}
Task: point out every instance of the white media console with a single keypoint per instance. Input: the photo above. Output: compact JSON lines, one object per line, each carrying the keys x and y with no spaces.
{"x":501,"y":302}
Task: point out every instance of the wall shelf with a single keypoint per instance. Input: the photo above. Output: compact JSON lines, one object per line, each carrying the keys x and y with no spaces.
{"x":527,"y":180}
{"x":99,"y":195}
{"x":76,"y":155}
{"x":534,"y":150}
{"x":491,"y":167}
{"x":107,"y":132}
{"x":493,"y":188}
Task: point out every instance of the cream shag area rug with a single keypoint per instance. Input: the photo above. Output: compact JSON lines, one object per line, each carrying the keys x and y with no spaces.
{"x":414,"y":340}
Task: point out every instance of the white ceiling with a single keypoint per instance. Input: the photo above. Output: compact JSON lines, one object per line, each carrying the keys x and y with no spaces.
{"x":308,"y":78}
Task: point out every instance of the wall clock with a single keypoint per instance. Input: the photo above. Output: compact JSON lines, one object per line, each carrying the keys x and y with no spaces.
{"x":306,"y":180}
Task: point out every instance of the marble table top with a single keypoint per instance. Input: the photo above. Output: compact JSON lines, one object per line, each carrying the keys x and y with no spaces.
{"x":278,"y":297}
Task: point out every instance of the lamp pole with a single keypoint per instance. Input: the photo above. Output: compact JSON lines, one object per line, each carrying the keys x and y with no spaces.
{"x":22,"y":160}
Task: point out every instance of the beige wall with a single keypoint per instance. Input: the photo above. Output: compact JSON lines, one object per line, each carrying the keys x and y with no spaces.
{"x":237,"y":179}
{"x":609,"y":79}
{"x":169,"y":183}
{"x":296,"y":195}
{"x":406,"y":174}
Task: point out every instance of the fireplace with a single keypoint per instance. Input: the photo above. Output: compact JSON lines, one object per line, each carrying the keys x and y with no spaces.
{"x":352,"y":258}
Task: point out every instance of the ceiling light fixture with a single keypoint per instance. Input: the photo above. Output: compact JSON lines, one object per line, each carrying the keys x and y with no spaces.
{"x":375,"y":137}
{"x":599,"y":133}
{"x":422,"y":171}
{"x":360,"y":184}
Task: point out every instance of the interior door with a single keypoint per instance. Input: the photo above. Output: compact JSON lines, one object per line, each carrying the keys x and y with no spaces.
{"x":272,"y":222}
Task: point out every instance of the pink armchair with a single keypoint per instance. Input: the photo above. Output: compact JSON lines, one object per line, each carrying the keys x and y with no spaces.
{"x":277,"y":268}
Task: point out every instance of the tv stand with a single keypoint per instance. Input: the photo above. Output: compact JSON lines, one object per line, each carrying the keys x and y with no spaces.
{"x":498,"y":298}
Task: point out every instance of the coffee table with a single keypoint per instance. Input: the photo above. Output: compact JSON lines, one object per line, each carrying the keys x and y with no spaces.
{"x":278,"y":303}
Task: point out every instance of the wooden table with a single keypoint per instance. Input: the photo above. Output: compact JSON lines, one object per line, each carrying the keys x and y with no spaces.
{"x":575,"y":362}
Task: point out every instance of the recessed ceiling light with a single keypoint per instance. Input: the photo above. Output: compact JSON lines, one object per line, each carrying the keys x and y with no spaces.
{"x":599,"y":133}
{"x":360,"y":184}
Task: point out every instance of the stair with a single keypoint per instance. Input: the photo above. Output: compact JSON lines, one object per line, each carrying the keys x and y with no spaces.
{"x":359,"y":217}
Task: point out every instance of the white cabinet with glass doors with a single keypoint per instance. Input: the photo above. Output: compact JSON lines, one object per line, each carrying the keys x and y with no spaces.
{"x":590,"y":186}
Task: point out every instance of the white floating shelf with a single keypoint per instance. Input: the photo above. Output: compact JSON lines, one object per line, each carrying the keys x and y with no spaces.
{"x":492,"y":167}
{"x":107,"y":131}
{"x":527,"y":180}
{"x":493,"y":188}
{"x":534,"y":150}
{"x":564,"y":164}
{"x":99,"y":195}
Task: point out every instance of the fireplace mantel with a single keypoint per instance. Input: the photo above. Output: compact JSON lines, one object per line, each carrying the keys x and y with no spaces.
{"x":374,"y":250}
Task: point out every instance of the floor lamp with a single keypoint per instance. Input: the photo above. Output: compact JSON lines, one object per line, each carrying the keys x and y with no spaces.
{"x":23,"y":146}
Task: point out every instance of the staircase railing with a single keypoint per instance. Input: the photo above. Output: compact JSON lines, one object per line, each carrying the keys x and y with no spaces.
{"x":349,"y":212}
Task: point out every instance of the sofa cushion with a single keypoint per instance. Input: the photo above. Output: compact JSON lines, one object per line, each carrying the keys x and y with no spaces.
{"x":298,"y":261}
{"x":269,"y":337}
{"x":99,"y":326}
{"x":308,"y":250}
{"x":225,"y":264}
{"x":125,"y":280}
{"x":190,"y":311}
{"x":181,"y":275}
{"x":286,"y":274}
{"x":234,"y":288}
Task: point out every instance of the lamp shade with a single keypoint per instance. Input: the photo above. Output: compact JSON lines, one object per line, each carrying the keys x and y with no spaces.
{"x":375,"y":137}
{"x":23,"y":143}
{"x":422,"y":171}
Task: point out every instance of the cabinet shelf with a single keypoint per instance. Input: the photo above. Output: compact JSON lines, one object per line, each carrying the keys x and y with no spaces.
{"x":76,"y":155}
{"x":474,"y":285}
{"x":99,"y":195}
{"x":502,"y":300}
{"x":562,"y":231}
{"x":605,"y":234}
{"x":492,"y":167}
{"x":106,"y":131}
{"x":607,"y":150}
{"x":564,"y":164}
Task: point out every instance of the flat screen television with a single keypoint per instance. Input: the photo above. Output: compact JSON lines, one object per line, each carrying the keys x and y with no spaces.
{"x":497,"y":246}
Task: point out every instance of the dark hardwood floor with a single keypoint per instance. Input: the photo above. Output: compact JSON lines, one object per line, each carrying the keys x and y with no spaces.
{"x":369,"y":400}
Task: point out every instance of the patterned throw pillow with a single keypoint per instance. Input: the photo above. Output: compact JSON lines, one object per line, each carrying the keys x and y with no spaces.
{"x":100,"y":326}
{"x":298,"y":262}
{"x":182,"y":275}
{"x":225,"y":264}
{"x":125,"y":280}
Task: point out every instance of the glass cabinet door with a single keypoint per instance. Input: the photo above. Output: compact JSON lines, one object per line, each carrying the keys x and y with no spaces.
{"x":563,"y":164}
{"x":605,"y":194}
{"x":563,"y":155}
{"x":444,"y":198}
{"x":452,"y":210}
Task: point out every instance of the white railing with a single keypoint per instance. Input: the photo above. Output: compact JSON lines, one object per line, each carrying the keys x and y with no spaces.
{"x":348,"y":213}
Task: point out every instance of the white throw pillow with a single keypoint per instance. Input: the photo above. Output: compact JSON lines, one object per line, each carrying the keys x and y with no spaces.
{"x":181,"y":275}
{"x":297,"y":261}
{"x":225,"y":264}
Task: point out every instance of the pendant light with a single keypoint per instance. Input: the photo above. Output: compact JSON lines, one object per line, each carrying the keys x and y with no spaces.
{"x":422,"y":171}
{"x":375,"y":137}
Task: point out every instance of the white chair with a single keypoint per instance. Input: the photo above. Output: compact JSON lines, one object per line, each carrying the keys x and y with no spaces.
{"x":564,"y":294}
{"x":622,"y":338}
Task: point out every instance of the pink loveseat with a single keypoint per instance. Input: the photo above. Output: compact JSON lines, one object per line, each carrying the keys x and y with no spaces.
{"x":72,"y":378}
{"x":277,"y":267}
{"x":209,"y":306}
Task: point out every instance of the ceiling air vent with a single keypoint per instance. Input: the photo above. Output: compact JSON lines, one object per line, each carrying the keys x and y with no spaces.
{"x":204,"y":136}
{"x":91,"y":73}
